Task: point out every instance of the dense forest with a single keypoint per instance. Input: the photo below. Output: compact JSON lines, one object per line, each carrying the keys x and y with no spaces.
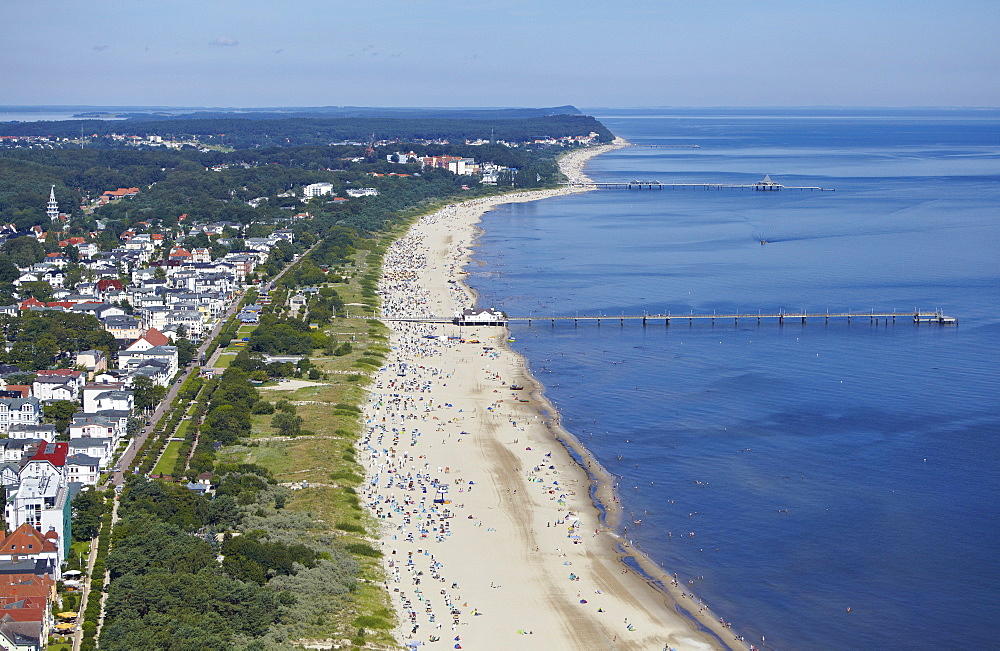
{"x":335,"y":112}
{"x":40,"y":340}
{"x":169,"y":592}
{"x":244,"y":132}
{"x":173,"y":183}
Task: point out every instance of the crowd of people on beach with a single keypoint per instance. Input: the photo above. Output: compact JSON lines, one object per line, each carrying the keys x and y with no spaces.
{"x":419,"y":503}
{"x":414,"y":424}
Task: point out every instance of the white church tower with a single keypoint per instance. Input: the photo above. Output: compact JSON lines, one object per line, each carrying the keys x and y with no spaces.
{"x":53,"y":208}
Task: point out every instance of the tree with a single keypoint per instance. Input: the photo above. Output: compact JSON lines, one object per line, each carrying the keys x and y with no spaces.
{"x":8,"y":270}
{"x":60,"y":413}
{"x":88,"y":507}
{"x":226,"y":423}
{"x":21,"y":378}
{"x":185,"y":350}
{"x":24,"y":251}
{"x":147,"y":394}
{"x":37,"y":288}
{"x":133,"y":427}
{"x":74,"y":274}
{"x":287,"y":424}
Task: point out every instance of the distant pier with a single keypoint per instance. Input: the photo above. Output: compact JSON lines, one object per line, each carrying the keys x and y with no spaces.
{"x":766,"y":185}
{"x":668,"y":146}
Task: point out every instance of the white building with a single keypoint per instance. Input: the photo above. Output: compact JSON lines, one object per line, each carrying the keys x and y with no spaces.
{"x":317,"y":190}
{"x":83,"y":469}
{"x":21,"y":431}
{"x":54,"y":388}
{"x":42,"y":497}
{"x":107,"y":397}
{"x":19,"y":411}
{"x":100,"y":448}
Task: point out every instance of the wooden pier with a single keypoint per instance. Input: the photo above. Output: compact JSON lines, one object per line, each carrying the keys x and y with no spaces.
{"x":917,"y":316}
{"x":767,"y":185}
{"x":874,"y":317}
{"x":668,"y":146}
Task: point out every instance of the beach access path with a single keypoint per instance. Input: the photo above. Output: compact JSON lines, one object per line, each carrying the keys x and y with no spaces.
{"x":489,"y":534}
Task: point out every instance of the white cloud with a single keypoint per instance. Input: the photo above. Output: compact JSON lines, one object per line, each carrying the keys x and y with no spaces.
{"x":224,"y":41}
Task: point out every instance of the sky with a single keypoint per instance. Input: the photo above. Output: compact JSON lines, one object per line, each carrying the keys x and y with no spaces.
{"x":612,"y":53}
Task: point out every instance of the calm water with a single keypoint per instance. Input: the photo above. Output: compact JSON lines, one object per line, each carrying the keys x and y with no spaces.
{"x":819,"y":466}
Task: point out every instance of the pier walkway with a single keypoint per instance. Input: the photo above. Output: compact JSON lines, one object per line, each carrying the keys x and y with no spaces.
{"x":767,"y":185}
{"x":874,"y":316}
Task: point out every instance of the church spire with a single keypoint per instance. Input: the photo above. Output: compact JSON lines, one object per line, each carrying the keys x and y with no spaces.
{"x":52,"y":210}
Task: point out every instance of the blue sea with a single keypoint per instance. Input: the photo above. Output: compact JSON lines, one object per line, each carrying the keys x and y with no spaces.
{"x":821,"y":467}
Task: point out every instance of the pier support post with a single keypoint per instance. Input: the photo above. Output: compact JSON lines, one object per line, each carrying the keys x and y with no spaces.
{"x":643,"y":322}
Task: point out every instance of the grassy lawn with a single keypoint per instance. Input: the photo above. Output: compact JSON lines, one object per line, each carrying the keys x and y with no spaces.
{"x":326,"y":460}
{"x":224,"y":359}
{"x":165,"y":466}
{"x":78,"y":550}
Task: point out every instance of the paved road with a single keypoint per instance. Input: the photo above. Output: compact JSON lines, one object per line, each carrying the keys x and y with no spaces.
{"x":125,"y":462}
{"x":128,"y":457}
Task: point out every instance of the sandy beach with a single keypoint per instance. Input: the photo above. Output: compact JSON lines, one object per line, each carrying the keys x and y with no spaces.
{"x":491,"y":539}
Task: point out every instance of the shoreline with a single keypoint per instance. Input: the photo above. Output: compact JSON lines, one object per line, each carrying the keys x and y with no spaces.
{"x":617,"y":604}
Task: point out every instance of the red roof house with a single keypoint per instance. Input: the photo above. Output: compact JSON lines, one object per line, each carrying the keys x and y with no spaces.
{"x":30,"y":303}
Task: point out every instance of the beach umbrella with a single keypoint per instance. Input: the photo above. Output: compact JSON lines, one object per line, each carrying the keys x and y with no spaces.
{"x":67,"y":615}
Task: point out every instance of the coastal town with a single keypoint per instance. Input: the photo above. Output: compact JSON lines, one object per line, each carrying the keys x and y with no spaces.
{"x":169,"y":315}
{"x":154,"y":301}
{"x":476,"y":326}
